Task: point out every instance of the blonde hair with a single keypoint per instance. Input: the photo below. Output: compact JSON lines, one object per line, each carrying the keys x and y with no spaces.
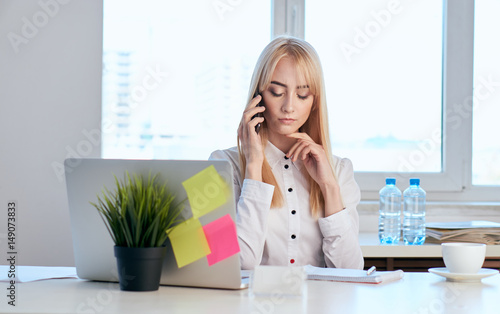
{"x":308,"y":64}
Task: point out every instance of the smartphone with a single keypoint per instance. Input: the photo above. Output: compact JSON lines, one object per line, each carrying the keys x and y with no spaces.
{"x":260,"y":104}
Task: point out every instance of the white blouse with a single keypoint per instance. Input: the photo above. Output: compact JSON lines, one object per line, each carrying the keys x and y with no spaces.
{"x":290,"y":235}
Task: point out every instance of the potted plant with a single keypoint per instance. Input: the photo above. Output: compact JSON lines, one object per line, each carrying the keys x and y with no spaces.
{"x":137,"y":215}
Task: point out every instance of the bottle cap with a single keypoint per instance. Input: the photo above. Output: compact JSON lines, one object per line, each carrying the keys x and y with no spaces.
{"x":414,"y":181}
{"x":390,"y":181}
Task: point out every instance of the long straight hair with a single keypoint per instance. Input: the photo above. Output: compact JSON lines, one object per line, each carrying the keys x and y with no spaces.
{"x":308,"y":64}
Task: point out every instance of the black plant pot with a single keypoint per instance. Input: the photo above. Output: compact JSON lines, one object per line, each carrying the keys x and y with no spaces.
{"x":139,"y":269}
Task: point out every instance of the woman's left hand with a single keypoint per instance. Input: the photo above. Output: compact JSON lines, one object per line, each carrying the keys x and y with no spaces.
{"x":314,"y":158}
{"x":316,"y":162}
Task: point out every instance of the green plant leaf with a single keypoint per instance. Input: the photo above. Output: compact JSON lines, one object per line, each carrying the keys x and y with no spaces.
{"x":139,"y":211}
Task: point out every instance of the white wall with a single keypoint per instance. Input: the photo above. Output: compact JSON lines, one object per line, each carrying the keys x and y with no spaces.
{"x":50,"y":97}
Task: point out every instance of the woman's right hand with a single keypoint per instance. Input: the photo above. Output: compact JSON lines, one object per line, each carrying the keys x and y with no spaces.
{"x":250,"y":141}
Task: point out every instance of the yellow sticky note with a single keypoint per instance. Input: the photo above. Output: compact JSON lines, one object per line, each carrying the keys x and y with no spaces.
{"x":206,"y":191}
{"x":188,"y":242}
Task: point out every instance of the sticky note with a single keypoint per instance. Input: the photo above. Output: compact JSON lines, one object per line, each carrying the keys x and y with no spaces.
{"x":188,"y":242}
{"x":222,"y":239}
{"x":206,"y":191}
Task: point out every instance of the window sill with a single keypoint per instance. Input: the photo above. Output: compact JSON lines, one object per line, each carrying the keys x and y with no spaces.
{"x":435,"y":212}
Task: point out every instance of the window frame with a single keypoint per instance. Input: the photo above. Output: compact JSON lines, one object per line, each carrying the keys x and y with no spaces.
{"x":454,"y":183}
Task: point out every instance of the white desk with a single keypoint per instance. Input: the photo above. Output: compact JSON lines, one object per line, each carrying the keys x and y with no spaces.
{"x":416,"y":293}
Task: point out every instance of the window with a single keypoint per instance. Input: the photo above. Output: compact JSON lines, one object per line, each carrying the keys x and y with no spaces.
{"x":486,"y":96}
{"x":166,"y":60}
{"x":383,"y":79}
{"x":399,"y":76}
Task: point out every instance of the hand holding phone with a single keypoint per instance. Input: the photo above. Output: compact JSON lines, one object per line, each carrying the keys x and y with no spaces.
{"x":261,"y":104}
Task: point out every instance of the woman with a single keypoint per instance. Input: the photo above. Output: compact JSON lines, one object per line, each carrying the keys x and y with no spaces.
{"x":296,"y":202}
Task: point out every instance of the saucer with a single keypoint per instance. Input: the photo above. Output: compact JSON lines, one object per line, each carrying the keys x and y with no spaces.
{"x":482,"y":273}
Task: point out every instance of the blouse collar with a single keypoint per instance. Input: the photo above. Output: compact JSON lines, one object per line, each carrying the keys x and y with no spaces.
{"x":274,"y":155}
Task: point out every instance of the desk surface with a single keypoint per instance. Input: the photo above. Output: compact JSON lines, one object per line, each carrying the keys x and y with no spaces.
{"x":415,"y":293}
{"x":371,"y":247}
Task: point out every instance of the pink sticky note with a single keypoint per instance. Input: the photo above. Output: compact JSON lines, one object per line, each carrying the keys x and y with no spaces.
{"x":222,"y":239}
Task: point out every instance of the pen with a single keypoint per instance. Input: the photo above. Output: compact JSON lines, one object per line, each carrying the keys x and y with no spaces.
{"x":370,"y":270}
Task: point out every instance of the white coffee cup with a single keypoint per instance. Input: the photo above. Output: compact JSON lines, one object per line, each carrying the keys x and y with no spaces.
{"x":463,"y":258}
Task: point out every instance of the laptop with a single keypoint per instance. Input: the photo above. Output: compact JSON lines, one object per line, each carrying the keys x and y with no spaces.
{"x":92,"y":244}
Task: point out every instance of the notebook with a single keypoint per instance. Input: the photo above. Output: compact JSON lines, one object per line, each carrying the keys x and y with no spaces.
{"x":92,"y":244}
{"x":351,"y":275}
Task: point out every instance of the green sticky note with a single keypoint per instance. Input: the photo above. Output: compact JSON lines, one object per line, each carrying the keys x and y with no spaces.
{"x":206,"y":191}
{"x":188,"y":242}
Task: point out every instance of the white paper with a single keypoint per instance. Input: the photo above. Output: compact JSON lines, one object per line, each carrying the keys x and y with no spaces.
{"x":35,"y":273}
{"x":463,"y":224}
{"x":351,"y":275}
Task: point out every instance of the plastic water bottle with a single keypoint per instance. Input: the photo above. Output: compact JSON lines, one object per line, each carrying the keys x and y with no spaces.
{"x":414,"y":214}
{"x":389,"y":219}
